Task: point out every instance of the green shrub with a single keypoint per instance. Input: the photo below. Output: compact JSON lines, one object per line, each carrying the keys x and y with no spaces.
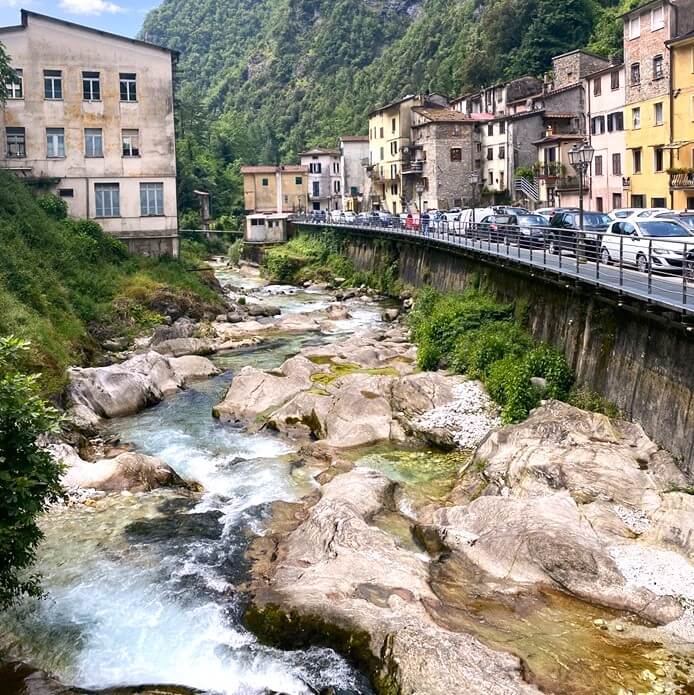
{"x":508,"y":383}
{"x":548,"y":362}
{"x":584,"y":398}
{"x":234,"y":252}
{"x":52,"y":205}
{"x":29,"y":476}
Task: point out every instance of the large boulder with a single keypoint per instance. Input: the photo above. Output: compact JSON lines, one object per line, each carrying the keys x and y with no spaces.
{"x":182,"y":328}
{"x":177,"y":347}
{"x":337,"y":570}
{"x":125,"y":388}
{"x":191,"y":367}
{"x":129,"y":471}
{"x":545,"y":540}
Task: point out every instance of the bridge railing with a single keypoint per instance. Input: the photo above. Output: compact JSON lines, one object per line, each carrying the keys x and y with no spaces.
{"x":656,"y":270}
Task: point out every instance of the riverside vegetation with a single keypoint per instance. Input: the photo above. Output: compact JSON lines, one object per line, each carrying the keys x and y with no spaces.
{"x":469,"y":333}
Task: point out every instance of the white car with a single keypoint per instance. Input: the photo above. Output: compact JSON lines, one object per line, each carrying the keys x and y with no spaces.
{"x":648,"y":212}
{"x":622,"y":213}
{"x":348,"y":216}
{"x":634,"y":241}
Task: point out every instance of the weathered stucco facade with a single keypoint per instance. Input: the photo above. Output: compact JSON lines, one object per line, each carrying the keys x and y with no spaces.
{"x":324,"y":178}
{"x":275,"y":189}
{"x":91,"y":119}
{"x":354,"y":155}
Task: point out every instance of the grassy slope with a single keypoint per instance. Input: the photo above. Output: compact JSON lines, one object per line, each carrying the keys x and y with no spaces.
{"x":63,"y":284}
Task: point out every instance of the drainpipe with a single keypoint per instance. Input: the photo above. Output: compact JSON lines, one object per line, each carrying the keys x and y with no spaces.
{"x":589,"y":137}
{"x":671,"y":119}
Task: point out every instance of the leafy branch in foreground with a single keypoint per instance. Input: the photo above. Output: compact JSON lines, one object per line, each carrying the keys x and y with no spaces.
{"x":29,"y":475}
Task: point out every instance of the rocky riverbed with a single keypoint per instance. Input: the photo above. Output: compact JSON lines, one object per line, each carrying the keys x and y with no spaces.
{"x":341,"y":499}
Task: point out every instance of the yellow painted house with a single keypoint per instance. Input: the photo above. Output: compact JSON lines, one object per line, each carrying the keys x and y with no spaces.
{"x":682,"y":171}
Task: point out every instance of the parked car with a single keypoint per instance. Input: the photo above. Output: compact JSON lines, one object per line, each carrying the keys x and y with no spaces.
{"x":648,"y":212}
{"x":349,"y":217}
{"x":658,"y":243}
{"x":493,"y":228}
{"x":510,"y":210}
{"x":686,"y":218}
{"x":319,"y":216}
{"x":564,"y":233}
{"x":621,"y":213}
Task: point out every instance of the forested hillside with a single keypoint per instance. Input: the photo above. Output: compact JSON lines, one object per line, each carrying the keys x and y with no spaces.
{"x":261,"y":79}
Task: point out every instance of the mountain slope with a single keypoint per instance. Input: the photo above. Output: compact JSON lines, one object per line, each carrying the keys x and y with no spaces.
{"x":262,"y":79}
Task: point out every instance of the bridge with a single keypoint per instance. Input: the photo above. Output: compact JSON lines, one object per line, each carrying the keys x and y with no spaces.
{"x":547,"y":256}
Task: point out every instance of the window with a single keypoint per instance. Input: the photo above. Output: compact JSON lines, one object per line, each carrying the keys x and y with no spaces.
{"x":394,"y":189}
{"x":657,"y":67}
{"x":336,"y":167}
{"x":55,"y":142}
{"x":490,"y":154}
{"x":658,"y":158}
{"x":393,"y":171}
{"x":501,"y":179}
{"x":381,"y":151}
{"x":597,"y":125}
{"x":131,"y":143}
{"x":502,"y":128}
{"x":597,"y":162}
{"x":52,"y":84}
{"x":456,"y":154}
{"x":598,"y":204}
{"x":502,"y":152}
{"x":107,"y":199}
{"x":635,"y":27}
{"x":658,"y":203}
{"x":490,"y":129}
{"x":392,"y":125}
{"x":636,"y":117}
{"x":657,"y":18}
{"x":614,"y":79}
{"x":658,"y":113}
{"x":635,"y":73}
{"x":638,"y":201}
{"x":264,"y":182}
{"x":636,"y":160}
{"x":93,"y":142}
{"x":617,"y":164}
{"x":615,"y":121}
{"x":15,"y":85}
{"x":316,"y":189}
{"x":394,"y":147}
{"x":381,"y":131}
{"x":151,"y":199}
{"x":91,"y":87}
{"x":616,"y":200}
{"x":315,"y":167}
{"x":66,"y":192}
{"x":490,"y":177}
{"x":128,"y":86}
{"x":298,"y":180}
{"x":336,"y":186}
{"x":16,"y":142}
{"x":597,"y":86}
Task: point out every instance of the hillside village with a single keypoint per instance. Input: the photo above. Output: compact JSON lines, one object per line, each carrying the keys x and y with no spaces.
{"x":511,"y":141}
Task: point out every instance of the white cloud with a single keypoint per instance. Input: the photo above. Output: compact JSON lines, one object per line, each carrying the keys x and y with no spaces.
{"x":12,"y":3}
{"x":90,"y":7}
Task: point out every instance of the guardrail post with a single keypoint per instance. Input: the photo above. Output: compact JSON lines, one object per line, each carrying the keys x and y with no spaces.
{"x":684,"y":275}
{"x":621,"y":261}
{"x":650,"y":265}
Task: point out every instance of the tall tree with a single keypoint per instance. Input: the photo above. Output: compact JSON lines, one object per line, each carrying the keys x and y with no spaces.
{"x":6,"y":73}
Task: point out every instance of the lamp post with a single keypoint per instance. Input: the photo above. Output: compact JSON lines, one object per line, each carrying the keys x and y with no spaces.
{"x":473,"y":180}
{"x":580,"y":157}
{"x":419,"y":187}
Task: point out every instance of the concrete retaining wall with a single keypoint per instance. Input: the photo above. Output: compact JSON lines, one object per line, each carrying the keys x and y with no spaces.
{"x":642,"y":363}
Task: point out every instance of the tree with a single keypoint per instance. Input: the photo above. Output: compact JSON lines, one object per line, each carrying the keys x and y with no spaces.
{"x":6,"y":73}
{"x":29,"y":475}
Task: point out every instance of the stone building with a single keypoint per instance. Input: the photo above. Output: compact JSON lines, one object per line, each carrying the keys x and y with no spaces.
{"x":273,"y":189}
{"x":442,"y":154}
{"x":354,"y":155}
{"x":390,"y":130}
{"x":647,"y":29}
{"x":90,"y":117}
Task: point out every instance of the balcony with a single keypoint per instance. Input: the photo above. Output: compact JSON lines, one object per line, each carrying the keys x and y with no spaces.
{"x":567,"y":183}
{"x":413,"y":167}
{"x":549,"y":170}
{"x":682,"y":180}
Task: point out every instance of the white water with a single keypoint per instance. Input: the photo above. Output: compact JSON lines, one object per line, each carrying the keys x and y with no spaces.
{"x":142,"y":588}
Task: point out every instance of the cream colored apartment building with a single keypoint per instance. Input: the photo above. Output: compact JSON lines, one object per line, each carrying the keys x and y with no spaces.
{"x":273,"y":189}
{"x":90,"y":116}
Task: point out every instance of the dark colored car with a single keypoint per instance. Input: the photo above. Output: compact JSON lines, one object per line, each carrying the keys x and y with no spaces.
{"x":522,"y":229}
{"x":564,"y":234}
{"x":318,"y":216}
{"x":685,"y":218}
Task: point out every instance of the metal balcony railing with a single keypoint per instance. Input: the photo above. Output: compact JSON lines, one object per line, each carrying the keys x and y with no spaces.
{"x":567,"y":183}
{"x":655,"y":271}
{"x":681,"y":181}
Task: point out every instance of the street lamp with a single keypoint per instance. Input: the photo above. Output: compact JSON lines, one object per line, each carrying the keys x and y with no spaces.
{"x":473,"y":179}
{"x":419,"y":187}
{"x":580,"y":158}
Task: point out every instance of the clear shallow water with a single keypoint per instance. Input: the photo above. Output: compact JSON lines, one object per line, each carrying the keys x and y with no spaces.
{"x":142,"y":589}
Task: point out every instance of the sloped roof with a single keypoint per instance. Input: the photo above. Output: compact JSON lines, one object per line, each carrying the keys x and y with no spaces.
{"x":354,"y":138}
{"x":442,"y":115}
{"x":318,"y":151}
{"x":27,"y":15}
{"x":272,"y":169}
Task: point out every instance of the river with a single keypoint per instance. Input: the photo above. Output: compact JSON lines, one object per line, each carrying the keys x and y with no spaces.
{"x":148,"y":588}
{"x":142,"y":588}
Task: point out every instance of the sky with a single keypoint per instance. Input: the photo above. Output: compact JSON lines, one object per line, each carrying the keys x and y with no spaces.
{"x":117,"y":16}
